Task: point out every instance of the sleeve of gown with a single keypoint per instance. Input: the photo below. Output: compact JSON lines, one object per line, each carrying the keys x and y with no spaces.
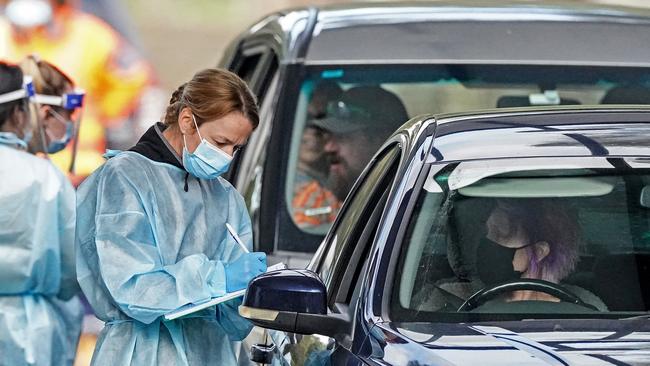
{"x":66,"y":212}
{"x":227,"y":312}
{"x":129,"y":261}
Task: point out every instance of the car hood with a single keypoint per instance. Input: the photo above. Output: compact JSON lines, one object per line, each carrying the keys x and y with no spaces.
{"x":534,"y":342}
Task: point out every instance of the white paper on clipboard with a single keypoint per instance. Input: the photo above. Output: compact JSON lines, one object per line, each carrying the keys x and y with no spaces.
{"x":192,"y":308}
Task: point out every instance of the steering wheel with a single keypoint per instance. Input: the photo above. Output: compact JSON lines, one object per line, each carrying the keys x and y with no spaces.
{"x":546,"y":287}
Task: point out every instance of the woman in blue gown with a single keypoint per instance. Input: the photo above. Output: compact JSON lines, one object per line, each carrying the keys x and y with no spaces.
{"x":151,"y":234}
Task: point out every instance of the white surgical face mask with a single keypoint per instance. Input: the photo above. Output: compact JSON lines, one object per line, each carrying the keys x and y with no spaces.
{"x":207,"y":161}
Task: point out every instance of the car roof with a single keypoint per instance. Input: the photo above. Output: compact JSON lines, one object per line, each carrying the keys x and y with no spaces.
{"x":465,"y":32}
{"x":361,"y":12}
{"x":560,"y":131}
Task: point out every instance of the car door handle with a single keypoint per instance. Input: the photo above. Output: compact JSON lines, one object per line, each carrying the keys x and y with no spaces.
{"x":262,"y":353}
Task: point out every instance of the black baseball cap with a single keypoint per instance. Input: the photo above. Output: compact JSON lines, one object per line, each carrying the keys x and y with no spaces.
{"x":363,"y":107}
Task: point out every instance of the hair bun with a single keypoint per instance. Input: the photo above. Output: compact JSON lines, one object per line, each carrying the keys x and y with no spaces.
{"x":177,"y":94}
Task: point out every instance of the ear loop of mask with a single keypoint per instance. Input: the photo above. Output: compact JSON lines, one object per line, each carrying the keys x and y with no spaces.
{"x":197,"y":127}
{"x":197,"y":131}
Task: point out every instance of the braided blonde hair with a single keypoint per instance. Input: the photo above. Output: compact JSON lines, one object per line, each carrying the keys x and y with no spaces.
{"x":212,"y":94}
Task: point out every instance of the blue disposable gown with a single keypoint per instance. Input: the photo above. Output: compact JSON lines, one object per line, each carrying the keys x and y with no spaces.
{"x":40,"y":316}
{"x":146,"y":247}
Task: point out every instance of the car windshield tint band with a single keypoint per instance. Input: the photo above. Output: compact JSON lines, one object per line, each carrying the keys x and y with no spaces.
{"x":68,"y":101}
{"x":344,"y":111}
{"x":26,"y":91}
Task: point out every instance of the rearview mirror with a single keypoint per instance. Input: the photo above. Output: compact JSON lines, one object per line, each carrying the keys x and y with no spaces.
{"x":293,"y":301}
{"x":645,"y":197}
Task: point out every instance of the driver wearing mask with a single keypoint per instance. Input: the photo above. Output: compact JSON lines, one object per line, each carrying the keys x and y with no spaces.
{"x":532,"y":239}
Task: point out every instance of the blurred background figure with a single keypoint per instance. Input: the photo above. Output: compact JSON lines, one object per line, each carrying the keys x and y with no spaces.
{"x":58,"y":106}
{"x":120,"y":85}
{"x":113,"y":73}
{"x":40,"y":314}
{"x":58,"y":118}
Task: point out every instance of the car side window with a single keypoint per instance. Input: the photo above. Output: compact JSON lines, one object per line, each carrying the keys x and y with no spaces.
{"x":355,"y":219}
{"x":249,"y":179}
{"x":347,"y":284}
{"x":339,"y":126}
{"x":256,"y":64}
{"x":258,"y":67}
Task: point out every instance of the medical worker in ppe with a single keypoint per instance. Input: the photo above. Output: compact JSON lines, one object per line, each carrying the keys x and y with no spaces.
{"x":40,"y":316}
{"x":152,"y":237}
{"x":57,"y":104}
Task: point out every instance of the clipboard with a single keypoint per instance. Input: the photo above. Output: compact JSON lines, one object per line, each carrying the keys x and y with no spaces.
{"x":192,"y":308}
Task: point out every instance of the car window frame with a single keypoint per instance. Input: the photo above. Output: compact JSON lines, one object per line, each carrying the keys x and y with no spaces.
{"x":353,"y":275}
{"x":248,"y":174}
{"x":344,"y":273}
{"x":397,"y":232}
{"x":401,"y":201}
{"x":264,"y":71}
{"x":349,"y":201}
{"x":268,"y":63}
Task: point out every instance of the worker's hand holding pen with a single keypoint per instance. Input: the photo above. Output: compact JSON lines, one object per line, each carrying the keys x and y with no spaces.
{"x":243,"y":269}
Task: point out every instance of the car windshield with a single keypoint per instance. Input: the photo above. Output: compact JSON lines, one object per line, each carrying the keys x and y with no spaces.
{"x":344,"y":114}
{"x":532,"y":237}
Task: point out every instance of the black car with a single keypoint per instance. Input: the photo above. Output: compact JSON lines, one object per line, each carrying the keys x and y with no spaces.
{"x":515,"y":236}
{"x":439,"y":57}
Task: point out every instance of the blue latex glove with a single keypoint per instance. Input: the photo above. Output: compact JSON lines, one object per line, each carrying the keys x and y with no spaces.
{"x":243,"y":269}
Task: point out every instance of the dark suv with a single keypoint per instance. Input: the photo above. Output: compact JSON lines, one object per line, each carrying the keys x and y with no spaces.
{"x":389,"y":62}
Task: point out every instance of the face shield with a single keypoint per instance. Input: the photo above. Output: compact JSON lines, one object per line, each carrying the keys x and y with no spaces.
{"x":70,"y":112}
{"x":26,"y":14}
{"x":25,"y":93}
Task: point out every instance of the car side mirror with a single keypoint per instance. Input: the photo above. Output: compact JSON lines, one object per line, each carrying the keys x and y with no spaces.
{"x":293,"y":301}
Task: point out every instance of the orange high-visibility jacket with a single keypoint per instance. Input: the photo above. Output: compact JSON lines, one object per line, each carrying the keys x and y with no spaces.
{"x":99,"y":61}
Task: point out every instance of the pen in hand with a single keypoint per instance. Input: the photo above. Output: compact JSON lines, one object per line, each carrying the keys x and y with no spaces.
{"x":236,"y":237}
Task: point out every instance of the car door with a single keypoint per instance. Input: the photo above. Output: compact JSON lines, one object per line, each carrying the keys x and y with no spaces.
{"x":341,"y":265}
{"x":256,"y":62}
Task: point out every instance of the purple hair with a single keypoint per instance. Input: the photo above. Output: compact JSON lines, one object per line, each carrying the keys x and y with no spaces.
{"x":547,"y":220}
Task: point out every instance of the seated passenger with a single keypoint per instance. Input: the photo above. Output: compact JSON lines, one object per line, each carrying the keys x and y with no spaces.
{"x":359,"y":123}
{"x":313,"y":205}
